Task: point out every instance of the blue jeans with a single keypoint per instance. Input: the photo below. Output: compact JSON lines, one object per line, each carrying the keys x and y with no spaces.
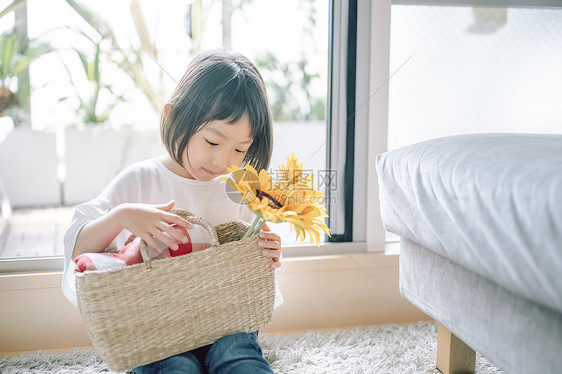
{"x":232,"y":354}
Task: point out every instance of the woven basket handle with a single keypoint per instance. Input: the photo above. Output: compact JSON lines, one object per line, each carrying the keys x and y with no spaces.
{"x":188,"y":216}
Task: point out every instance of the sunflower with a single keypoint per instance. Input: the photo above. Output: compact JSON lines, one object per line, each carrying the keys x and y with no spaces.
{"x":291,"y":199}
{"x":292,"y":175}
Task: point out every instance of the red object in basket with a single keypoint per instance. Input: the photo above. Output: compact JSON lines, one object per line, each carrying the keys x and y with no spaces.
{"x":183,"y":248}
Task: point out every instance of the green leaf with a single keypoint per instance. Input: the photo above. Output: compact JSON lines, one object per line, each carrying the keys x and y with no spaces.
{"x":20,"y":65}
{"x":38,"y":50}
{"x":97,"y":65}
{"x":93,"y":19}
{"x":84,"y":61}
{"x":91,"y":72}
{"x":142,"y":30}
{"x":8,"y":48}
{"x":15,"y":5}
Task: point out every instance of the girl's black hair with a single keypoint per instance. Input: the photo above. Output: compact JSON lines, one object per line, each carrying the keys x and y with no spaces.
{"x":219,"y":85}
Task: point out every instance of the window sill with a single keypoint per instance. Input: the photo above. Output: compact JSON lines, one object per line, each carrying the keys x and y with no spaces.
{"x":56,"y":263}
{"x":31,"y":264}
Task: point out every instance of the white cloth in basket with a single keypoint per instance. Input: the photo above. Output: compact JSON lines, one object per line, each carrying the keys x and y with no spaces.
{"x":198,"y":240}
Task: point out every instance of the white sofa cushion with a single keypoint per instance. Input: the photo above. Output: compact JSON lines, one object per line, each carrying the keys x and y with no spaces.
{"x":489,"y":202}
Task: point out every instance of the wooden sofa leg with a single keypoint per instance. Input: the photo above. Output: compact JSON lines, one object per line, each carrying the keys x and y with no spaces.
{"x":453,"y":355}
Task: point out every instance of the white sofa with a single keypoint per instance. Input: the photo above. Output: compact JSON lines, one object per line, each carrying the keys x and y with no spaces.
{"x":480,"y":221}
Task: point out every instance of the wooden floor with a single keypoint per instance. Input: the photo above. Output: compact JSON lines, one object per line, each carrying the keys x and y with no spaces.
{"x":35,"y":232}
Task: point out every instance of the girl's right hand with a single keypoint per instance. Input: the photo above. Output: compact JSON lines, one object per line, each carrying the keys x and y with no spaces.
{"x":151,"y":222}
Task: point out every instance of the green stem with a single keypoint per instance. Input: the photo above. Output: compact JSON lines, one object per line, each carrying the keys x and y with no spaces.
{"x":250,"y":231}
{"x":259,"y":227}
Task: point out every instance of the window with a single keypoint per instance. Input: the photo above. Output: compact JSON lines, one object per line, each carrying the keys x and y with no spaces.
{"x":474,"y":67}
{"x":140,"y":49}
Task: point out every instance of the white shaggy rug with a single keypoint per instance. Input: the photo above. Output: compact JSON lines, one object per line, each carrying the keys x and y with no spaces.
{"x":387,"y":349}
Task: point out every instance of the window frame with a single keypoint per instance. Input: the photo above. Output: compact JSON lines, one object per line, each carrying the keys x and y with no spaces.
{"x":340,"y":155}
{"x":349,"y":109}
{"x":379,"y":47}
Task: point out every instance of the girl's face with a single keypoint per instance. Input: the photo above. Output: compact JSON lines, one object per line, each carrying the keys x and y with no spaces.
{"x":216,"y":146}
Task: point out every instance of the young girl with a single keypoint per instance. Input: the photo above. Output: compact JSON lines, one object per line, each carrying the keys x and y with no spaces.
{"x":217,"y":116}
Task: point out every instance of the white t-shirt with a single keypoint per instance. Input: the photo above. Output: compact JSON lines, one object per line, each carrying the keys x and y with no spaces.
{"x":151,"y":182}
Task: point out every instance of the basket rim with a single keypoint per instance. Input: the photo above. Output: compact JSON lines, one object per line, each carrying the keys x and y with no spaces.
{"x":205,"y":251}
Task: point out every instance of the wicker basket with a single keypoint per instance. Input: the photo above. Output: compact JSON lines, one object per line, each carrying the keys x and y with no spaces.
{"x":149,"y":311}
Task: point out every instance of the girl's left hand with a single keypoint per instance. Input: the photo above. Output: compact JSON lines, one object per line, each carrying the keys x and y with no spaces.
{"x":271,"y":244}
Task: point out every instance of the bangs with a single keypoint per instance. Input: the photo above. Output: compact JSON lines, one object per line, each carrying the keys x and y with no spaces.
{"x":219,"y":85}
{"x":236,"y":97}
{"x":230,"y":103}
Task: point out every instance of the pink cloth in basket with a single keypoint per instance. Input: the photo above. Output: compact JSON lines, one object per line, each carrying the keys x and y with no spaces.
{"x":130,"y":253}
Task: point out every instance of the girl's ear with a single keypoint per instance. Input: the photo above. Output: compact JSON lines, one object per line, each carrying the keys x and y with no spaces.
{"x":167,"y":109}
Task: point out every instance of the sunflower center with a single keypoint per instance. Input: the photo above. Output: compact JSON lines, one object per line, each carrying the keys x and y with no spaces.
{"x":271,"y":201}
